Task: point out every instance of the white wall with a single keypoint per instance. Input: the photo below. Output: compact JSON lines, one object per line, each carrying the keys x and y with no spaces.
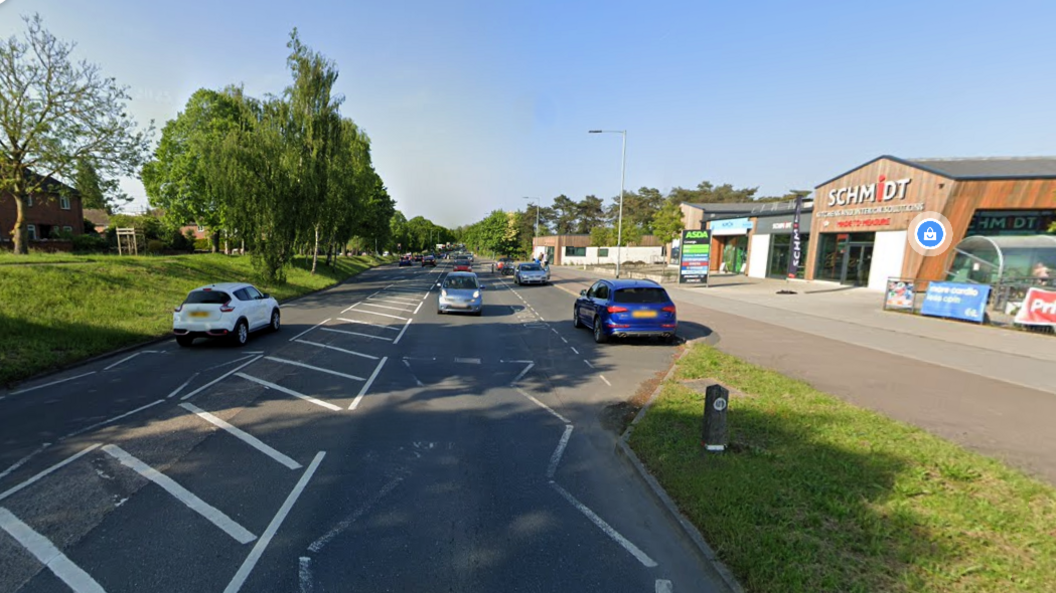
{"x":758,"y":256}
{"x":646,"y":254}
{"x":888,"y":253}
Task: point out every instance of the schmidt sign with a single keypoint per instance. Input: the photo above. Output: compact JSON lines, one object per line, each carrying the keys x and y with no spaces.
{"x":881,"y":191}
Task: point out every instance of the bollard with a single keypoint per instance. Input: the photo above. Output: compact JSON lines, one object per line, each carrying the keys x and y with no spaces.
{"x":716,"y":436}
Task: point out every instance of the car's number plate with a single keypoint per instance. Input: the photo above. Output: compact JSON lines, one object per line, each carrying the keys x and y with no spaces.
{"x":644,"y":314}
{"x":199,"y":314}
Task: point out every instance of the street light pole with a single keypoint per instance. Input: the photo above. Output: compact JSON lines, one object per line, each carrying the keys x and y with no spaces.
{"x":623,"y":172}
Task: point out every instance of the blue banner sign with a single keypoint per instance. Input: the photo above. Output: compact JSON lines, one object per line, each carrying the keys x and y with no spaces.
{"x":956,"y":301}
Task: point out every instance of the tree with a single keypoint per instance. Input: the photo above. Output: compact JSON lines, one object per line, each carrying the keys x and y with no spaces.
{"x":668,"y":223}
{"x":707,"y":193}
{"x":602,"y":236}
{"x":590,"y":213}
{"x":98,"y":193}
{"x":54,"y":114}
{"x":565,"y":215}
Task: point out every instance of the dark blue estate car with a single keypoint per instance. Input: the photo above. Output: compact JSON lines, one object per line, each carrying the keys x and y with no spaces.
{"x":622,"y":308}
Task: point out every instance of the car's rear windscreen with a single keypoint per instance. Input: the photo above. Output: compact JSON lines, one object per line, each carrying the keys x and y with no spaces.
{"x":640,"y":295}
{"x":207,"y":297}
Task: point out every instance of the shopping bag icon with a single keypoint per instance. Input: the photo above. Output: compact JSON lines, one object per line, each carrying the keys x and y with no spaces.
{"x":929,"y":234}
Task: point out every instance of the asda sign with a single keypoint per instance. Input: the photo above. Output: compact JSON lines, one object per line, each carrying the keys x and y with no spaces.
{"x":881,"y":191}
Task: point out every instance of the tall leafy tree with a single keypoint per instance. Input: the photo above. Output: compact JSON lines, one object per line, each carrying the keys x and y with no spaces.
{"x":98,"y":193}
{"x":565,"y":215}
{"x":668,"y":222}
{"x":54,"y":114}
{"x":590,"y":213}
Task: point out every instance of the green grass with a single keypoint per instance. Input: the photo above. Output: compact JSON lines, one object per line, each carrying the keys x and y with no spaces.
{"x":819,"y":495}
{"x":60,"y":308}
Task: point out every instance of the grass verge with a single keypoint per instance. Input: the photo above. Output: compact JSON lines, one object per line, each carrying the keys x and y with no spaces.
{"x":57,"y":309}
{"x":819,"y":495}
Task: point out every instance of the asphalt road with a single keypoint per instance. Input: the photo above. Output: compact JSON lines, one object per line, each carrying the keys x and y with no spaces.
{"x":371,"y":444}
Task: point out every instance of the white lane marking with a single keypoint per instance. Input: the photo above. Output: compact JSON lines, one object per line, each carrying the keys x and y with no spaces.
{"x":554,"y":329}
{"x":313,"y":368}
{"x":389,"y":297}
{"x":307,"y":398}
{"x":588,"y":363}
{"x":515,"y":361}
{"x":468,"y":360}
{"x":48,"y":555}
{"x":347,"y":522}
{"x":304,"y":574}
{"x":565,"y":341}
{"x":663,"y":586}
{"x":258,"y":549}
{"x":380,"y":314}
{"x":348,"y":333}
{"x":323,"y":322}
{"x":126,"y":359}
{"x":523,"y":373}
{"x":400,"y":309}
{"x":350,"y":307}
{"x":335,"y":348}
{"x":180,"y":388}
{"x":602,"y":377}
{"x":254,"y":351}
{"x":211,"y":513}
{"x":219,"y":379}
{"x":419,"y":307}
{"x":28,"y":389}
{"x":241,"y":435}
{"x":57,"y":466}
{"x":555,"y":459}
{"x":605,"y":527}
{"x":402,"y":331}
{"x":366,"y":386}
{"x":24,"y":460}
{"x":114,"y":419}
{"x":574,"y":349}
{"x":224,"y":364}
{"x":543,"y":406}
{"x":395,"y":329}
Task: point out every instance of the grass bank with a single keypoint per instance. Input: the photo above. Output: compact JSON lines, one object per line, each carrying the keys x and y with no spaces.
{"x":819,"y":495}
{"x":59,"y":308}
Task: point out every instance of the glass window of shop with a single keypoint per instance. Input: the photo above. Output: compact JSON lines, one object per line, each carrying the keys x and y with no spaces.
{"x":845,"y":257}
{"x":781,"y":251}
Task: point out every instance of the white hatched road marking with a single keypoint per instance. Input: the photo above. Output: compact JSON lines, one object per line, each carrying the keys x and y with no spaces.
{"x":605,"y":527}
{"x":224,"y":364}
{"x":395,"y":329}
{"x":213,"y":514}
{"x":402,"y":331}
{"x":49,"y":555}
{"x":574,"y":349}
{"x":219,"y":379}
{"x":555,"y":459}
{"x":307,"y":398}
{"x":323,"y":322}
{"x":126,"y":359}
{"x":321,"y":543}
{"x":304,"y":574}
{"x":588,"y":363}
{"x":663,"y":586}
{"x":397,"y":299}
{"x":400,"y":309}
{"x":42,"y":474}
{"x":369,"y":382}
{"x":349,"y":333}
{"x":602,"y":377}
{"x":114,"y":419}
{"x":543,"y":406}
{"x":329,"y":347}
{"x":243,"y":436}
{"x":380,"y":314}
{"x":419,"y":307}
{"x":24,"y":460}
{"x":313,"y":368}
{"x":524,"y":372}
{"x":468,"y":360}
{"x":28,"y":389}
{"x":180,"y":388}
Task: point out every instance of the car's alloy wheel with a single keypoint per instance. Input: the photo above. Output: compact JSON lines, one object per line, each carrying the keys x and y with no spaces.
{"x":275,"y":321}
{"x":599,"y":333}
{"x":241,"y":333}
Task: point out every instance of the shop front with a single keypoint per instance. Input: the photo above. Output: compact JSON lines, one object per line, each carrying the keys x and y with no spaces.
{"x":729,"y":245}
{"x":771,"y":245}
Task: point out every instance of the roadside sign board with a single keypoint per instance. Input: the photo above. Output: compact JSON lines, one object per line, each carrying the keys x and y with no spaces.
{"x":694,"y":257}
{"x":1039,"y":308}
{"x":956,"y":301}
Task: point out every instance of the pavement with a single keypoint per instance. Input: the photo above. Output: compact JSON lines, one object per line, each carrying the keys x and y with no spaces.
{"x":371,"y":444}
{"x":990,"y":390}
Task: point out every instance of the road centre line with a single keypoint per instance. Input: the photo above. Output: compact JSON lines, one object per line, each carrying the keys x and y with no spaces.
{"x":574,"y":349}
{"x":219,"y":379}
{"x":565,"y":341}
{"x":329,"y":347}
{"x":349,"y":333}
{"x":602,"y":377}
{"x":588,"y":363}
{"x":605,"y":527}
{"x":28,"y":389}
{"x":211,"y":513}
{"x":555,"y":459}
{"x":307,"y":398}
{"x":418,"y":308}
{"x":182,"y":385}
{"x":48,"y":554}
{"x":400,"y":309}
{"x":44,"y":473}
{"x":543,"y":406}
{"x":395,"y":329}
{"x":258,"y":549}
{"x":369,"y":382}
{"x":243,"y":436}
{"x":114,"y":419}
{"x":402,"y":331}
{"x":323,"y":322}
{"x":380,"y":314}
{"x":24,"y":460}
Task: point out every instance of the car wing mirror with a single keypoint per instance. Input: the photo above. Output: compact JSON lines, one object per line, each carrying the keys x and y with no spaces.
{"x":482,"y":287}
{"x":583,"y":292}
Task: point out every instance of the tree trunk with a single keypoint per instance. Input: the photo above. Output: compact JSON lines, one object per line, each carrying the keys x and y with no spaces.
{"x":215,"y":241}
{"x":242,"y":250}
{"x":18,"y":234}
{"x":315,"y":250}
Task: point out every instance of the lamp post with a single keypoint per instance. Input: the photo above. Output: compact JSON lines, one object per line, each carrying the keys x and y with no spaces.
{"x":536,"y":215}
{"x":623,"y":169}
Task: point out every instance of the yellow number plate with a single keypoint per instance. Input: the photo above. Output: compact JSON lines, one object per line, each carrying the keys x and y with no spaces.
{"x":644,"y":314}
{"x":199,"y":314}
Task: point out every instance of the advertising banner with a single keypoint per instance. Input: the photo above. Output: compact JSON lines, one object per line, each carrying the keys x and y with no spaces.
{"x":1039,"y":308}
{"x":797,"y":245}
{"x":956,"y":301}
{"x":694,"y":257}
{"x":899,"y":295}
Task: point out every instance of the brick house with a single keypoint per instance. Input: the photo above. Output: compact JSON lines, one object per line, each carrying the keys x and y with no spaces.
{"x":57,"y":209}
{"x":99,"y":218}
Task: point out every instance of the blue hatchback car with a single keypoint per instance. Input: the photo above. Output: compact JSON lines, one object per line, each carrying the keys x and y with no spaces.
{"x":623,"y":308}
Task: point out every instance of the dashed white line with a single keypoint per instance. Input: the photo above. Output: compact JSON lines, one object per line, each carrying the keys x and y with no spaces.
{"x":402,"y":331}
{"x":543,"y":406}
{"x":211,"y":513}
{"x":605,"y":527}
{"x":114,"y":419}
{"x":57,"y":466}
{"x":555,"y":459}
{"x":219,"y":379}
{"x":180,"y":388}
{"x":588,"y":363}
{"x":574,"y":349}
{"x":564,"y":340}
{"x":335,"y":348}
{"x":24,"y":460}
{"x":258,"y":549}
{"x":366,"y":386}
{"x":243,"y":436}
{"x":419,"y":307}
{"x":467,"y":360}
{"x":349,"y":333}
{"x":48,"y":555}
{"x":28,"y":389}
{"x":276,"y":387}
{"x":602,"y":377}
{"x":323,"y":322}
{"x":313,"y":368}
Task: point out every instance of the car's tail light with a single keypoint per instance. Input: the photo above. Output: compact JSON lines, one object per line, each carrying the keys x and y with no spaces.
{"x":615,"y":309}
{"x":226,"y":307}
{"x":178,"y":309}
{"x":669,"y":309}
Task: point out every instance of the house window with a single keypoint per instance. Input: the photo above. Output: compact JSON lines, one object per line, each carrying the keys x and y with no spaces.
{"x":575,"y":251}
{"x":67,"y":229}
{"x":603,"y":252}
{"x":201,"y":229}
{"x":64,"y":202}
{"x":31,"y":230}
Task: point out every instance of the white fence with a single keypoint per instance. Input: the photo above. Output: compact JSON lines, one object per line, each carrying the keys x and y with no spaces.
{"x":649,"y":255}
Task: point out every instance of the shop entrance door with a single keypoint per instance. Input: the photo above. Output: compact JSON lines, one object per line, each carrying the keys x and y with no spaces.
{"x":857,"y":260}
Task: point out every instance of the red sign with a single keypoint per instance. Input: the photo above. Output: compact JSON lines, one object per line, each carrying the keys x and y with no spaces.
{"x":863,"y":222}
{"x":1039,"y":308}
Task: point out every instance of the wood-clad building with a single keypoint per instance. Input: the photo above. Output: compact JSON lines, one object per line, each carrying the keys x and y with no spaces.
{"x":859,"y":233}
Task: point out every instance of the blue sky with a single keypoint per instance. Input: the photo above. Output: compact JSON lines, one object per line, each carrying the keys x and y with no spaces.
{"x":472,"y":104}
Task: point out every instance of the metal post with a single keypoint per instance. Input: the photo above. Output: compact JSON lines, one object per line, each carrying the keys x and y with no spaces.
{"x":619,"y":225}
{"x":715,"y":435}
{"x":537,"y":220}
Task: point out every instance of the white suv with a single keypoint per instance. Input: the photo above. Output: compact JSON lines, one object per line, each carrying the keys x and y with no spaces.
{"x":230,"y":309}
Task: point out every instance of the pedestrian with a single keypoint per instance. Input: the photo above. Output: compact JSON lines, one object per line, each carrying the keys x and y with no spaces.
{"x":1040,"y":271}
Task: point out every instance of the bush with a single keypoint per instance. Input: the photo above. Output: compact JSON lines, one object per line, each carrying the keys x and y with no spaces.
{"x":203,"y":245}
{"x":155,"y":247}
{"x":177,"y":241}
{"x":90,"y":244}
